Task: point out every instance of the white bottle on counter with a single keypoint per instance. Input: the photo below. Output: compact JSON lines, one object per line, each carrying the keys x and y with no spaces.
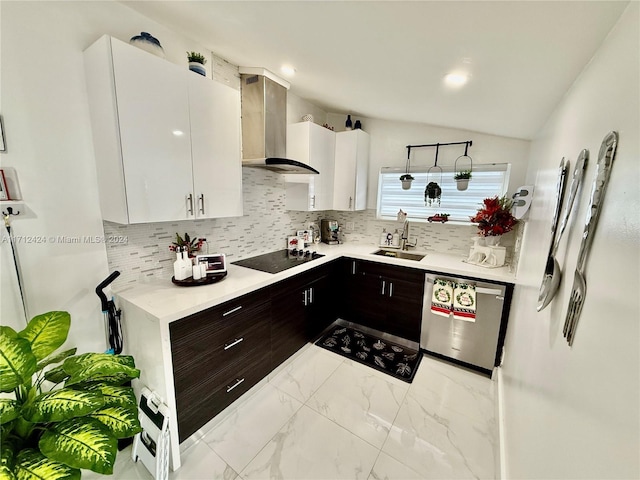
{"x":186,"y":263}
{"x":178,"y":271}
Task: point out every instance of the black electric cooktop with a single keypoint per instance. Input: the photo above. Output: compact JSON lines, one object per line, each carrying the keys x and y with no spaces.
{"x":275,"y":262}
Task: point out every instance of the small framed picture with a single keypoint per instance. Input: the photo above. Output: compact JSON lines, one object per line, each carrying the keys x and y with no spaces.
{"x":4,"y":193}
{"x":3,"y":145}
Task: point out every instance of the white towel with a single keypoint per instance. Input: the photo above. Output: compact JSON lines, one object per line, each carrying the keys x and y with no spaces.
{"x":464,"y":302}
{"x":442,"y":297}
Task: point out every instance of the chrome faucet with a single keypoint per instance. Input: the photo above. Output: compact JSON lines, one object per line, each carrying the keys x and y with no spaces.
{"x":404,"y":239}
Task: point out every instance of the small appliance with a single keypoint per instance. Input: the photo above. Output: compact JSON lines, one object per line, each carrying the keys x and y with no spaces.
{"x":329,"y":232}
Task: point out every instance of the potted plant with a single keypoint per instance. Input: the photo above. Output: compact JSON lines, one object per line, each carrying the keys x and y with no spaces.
{"x":75,"y":424}
{"x":193,"y":245}
{"x":494,"y":219}
{"x":197,"y":62}
{"x":406,"y":180}
{"x":462,"y":179}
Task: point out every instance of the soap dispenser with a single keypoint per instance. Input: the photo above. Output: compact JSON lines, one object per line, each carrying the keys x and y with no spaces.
{"x":396,"y":238}
{"x":177,"y":266}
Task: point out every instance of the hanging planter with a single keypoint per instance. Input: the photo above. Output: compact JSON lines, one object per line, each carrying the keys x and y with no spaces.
{"x":406,"y":180}
{"x":433,"y":192}
{"x":462,"y":179}
{"x":462,"y":176}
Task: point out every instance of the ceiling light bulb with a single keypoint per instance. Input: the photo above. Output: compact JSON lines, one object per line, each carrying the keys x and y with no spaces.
{"x":456,"y":79}
{"x":288,"y":70}
{"x":178,"y":133}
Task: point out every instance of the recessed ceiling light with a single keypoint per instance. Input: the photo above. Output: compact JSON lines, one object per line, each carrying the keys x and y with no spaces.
{"x":456,"y":79}
{"x":288,"y":70}
{"x":177,"y":133}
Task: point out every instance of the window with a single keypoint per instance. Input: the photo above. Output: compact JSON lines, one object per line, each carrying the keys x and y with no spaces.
{"x":487,"y":180}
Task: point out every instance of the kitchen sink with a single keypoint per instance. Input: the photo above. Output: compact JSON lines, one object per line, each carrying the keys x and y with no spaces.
{"x":400,"y":254}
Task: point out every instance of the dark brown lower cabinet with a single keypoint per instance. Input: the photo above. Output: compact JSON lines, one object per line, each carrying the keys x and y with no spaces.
{"x":384,"y":297}
{"x":218,"y":354}
{"x":301,"y":308}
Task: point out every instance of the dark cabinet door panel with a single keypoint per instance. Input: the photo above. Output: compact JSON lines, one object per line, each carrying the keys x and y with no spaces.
{"x":199,"y":405}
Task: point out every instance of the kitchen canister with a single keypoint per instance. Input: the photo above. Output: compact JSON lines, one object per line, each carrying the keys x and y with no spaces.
{"x":148,"y":43}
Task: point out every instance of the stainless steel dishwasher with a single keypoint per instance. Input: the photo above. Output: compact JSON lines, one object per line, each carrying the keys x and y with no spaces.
{"x":474,"y":343}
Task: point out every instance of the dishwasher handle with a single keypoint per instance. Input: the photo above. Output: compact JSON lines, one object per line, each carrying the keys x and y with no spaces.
{"x":480,"y":290}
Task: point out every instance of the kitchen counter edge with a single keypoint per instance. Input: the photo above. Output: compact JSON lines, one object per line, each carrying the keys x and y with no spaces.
{"x":168,"y":302}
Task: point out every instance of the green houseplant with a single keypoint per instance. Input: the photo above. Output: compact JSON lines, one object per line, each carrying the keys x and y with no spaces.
{"x":75,"y":424}
{"x":462,"y":179}
{"x":196,"y":63}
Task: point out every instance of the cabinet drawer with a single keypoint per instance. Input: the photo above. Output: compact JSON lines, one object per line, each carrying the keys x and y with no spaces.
{"x":223,"y":352}
{"x":390,"y":271}
{"x":197,"y":335}
{"x":216,"y":392}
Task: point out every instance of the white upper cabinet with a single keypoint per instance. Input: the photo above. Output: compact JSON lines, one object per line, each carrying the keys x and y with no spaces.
{"x":314,"y":145}
{"x":214,"y":110}
{"x":351,"y":170}
{"x":167,"y":141}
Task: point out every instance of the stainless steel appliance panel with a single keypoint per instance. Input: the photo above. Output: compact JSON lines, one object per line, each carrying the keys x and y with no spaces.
{"x":474,"y":343}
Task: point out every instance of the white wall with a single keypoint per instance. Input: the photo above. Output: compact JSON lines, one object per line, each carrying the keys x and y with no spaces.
{"x":49,"y":142}
{"x":574,"y":412}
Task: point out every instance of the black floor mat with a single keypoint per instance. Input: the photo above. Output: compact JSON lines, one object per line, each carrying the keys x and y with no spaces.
{"x":396,"y":360}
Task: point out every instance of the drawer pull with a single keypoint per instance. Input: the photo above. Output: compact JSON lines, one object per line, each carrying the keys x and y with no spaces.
{"x":231,"y":311}
{"x":238,"y":382}
{"x":227,"y":346}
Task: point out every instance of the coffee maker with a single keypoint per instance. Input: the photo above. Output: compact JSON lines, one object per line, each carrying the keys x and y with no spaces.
{"x":329,"y":232}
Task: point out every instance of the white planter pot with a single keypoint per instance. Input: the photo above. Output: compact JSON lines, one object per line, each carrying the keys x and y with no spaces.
{"x":198,"y":68}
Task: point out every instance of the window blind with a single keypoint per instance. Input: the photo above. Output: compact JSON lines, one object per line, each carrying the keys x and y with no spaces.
{"x":487,"y":180}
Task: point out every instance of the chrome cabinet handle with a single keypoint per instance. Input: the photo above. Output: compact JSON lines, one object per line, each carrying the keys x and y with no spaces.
{"x":231,"y":311}
{"x":238,"y":382}
{"x":310,"y":294}
{"x":190,"y":207}
{"x":304,"y":296}
{"x":236,"y":341}
{"x":201,"y":200}
{"x":384,"y":284}
{"x":313,"y":201}
{"x":353,"y":267}
{"x":391,"y":289}
{"x":350,"y":201}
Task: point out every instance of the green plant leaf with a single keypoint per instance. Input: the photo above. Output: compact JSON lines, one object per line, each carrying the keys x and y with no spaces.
{"x":56,"y":358}
{"x":59,"y":405}
{"x":100,"y":367}
{"x":8,"y":331}
{"x":33,"y":465}
{"x":47,"y":332}
{"x":81,"y":442}
{"x":121,"y":421}
{"x":17,"y":362}
{"x":7,"y":459}
{"x":116,"y":396}
{"x":9,"y":410}
{"x":56,"y":375}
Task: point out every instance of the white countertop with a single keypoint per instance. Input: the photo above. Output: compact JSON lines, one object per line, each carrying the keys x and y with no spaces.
{"x":168,"y":302}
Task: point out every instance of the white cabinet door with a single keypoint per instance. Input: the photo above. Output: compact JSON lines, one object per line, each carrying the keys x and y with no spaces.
{"x":351,"y":170}
{"x":314,"y":145}
{"x":153,"y":116}
{"x":214,"y":110}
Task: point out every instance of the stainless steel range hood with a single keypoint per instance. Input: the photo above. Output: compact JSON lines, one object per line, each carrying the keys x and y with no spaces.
{"x":264,"y":123}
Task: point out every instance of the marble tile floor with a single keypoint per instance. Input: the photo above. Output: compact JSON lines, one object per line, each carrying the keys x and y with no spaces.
{"x":325,"y":417}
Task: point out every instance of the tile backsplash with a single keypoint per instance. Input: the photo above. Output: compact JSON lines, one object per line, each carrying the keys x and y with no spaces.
{"x":144,"y":252}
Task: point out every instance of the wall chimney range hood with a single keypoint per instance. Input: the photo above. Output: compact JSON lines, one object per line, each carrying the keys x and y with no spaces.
{"x":264,"y":123}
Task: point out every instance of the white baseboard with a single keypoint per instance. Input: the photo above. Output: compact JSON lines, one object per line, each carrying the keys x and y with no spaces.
{"x":501,"y":434}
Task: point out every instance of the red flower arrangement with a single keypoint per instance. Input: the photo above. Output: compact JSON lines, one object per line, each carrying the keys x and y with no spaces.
{"x":193,"y":245}
{"x":495,"y":218}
